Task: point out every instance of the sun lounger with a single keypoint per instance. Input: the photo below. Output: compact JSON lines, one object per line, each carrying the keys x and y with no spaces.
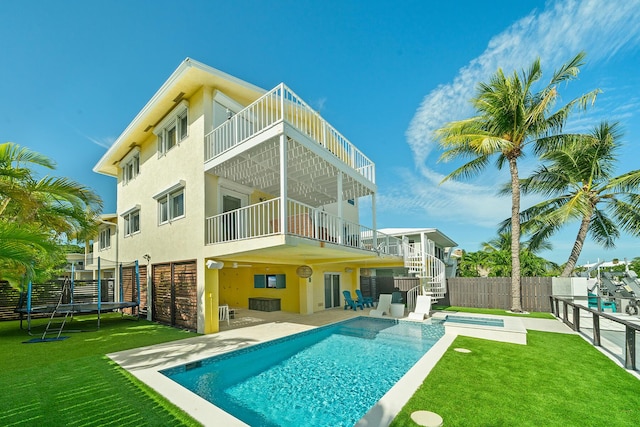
{"x":384,"y":306}
{"x":423,"y":307}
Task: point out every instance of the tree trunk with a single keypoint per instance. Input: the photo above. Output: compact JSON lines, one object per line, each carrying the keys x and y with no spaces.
{"x":516,"y":294}
{"x":577,"y":246}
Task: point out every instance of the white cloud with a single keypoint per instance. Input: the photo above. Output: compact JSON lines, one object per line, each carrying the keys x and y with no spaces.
{"x":603,"y":28}
{"x":102,"y":142}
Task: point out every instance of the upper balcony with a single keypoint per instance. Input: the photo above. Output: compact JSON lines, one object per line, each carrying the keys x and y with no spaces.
{"x":265,"y":219}
{"x":246,"y":149}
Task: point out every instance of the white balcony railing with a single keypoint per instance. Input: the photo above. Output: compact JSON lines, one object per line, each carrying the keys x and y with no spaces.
{"x":263,"y":219}
{"x":282,"y":104}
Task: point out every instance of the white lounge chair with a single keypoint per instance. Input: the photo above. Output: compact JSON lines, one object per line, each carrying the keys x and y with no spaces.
{"x":423,"y":307}
{"x":383,"y":307}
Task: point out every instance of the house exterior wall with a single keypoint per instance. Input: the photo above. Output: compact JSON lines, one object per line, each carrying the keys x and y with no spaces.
{"x":183,"y":239}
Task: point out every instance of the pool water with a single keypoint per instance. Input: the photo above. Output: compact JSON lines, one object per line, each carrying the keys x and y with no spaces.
{"x":329,"y":376}
{"x":469,"y":320}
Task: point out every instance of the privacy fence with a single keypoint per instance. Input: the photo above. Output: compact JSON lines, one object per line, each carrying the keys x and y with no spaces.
{"x":495,"y":292}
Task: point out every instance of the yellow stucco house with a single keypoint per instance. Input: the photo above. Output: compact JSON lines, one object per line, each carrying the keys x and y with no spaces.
{"x":232,"y":194}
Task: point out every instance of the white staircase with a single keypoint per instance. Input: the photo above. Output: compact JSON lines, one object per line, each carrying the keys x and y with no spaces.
{"x":429,"y":270}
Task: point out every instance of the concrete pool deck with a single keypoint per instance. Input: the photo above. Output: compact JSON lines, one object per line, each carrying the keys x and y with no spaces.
{"x":250,"y":328}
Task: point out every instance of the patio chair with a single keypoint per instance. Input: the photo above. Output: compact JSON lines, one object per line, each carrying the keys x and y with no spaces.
{"x":396,"y":297}
{"x":384,"y":306}
{"x":593,"y":303}
{"x":350,"y":303}
{"x":223,"y":313}
{"x":423,"y":307}
{"x":366,"y":301}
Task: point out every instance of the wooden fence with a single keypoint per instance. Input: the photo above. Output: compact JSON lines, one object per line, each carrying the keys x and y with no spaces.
{"x":495,"y":292}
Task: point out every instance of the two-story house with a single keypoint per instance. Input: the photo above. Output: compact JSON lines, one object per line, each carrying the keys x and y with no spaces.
{"x":231,"y":194}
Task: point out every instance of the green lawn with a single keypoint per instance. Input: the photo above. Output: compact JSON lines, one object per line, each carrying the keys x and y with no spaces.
{"x":555,"y":380}
{"x":73,"y":383}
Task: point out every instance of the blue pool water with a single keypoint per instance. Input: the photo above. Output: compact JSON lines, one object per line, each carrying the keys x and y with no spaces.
{"x":469,"y":320}
{"x":329,"y":376}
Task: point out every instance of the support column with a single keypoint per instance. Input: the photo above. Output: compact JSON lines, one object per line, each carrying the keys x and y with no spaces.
{"x":211,"y":301}
{"x":340,"y":231}
{"x":373,"y":221}
{"x":283,"y":185}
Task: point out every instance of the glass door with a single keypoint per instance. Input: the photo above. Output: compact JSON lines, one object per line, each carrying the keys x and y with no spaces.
{"x":332,"y":290}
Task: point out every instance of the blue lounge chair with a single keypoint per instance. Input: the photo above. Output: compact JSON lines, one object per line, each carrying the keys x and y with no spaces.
{"x":366,"y":301}
{"x":350,"y":303}
{"x":593,"y":303}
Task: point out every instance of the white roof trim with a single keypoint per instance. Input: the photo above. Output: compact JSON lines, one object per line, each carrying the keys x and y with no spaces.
{"x":174,"y":187}
{"x":128,"y":211}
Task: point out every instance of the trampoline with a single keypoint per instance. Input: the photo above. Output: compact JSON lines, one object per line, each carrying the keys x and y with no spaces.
{"x":69,"y":297}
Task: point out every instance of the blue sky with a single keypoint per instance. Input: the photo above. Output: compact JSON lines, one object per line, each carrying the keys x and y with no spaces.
{"x":385,"y":73}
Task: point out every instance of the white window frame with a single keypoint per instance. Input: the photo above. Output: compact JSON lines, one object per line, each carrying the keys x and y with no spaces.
{"x":178,"y":122}
{"x":165,"y":203}
{"x":104,"y":240}
{"x":130,"y":165}
{"x":128,"y":217}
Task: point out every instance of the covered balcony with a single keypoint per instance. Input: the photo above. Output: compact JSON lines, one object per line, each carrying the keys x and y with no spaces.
{"x":278,"y":146}
{"x":281,"y":112}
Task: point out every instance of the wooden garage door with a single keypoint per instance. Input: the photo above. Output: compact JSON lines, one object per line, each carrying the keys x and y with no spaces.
{"x":175,"y":294}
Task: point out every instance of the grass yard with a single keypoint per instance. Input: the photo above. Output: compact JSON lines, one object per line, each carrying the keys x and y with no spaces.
{"x":73,"y":383}
{"x":555,"y":380}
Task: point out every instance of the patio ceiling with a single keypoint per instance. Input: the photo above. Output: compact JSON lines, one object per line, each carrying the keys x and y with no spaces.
{"x":312,"y":179}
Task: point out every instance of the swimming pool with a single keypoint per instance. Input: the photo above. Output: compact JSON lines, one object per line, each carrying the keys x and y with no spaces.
{"x":327,"y":376}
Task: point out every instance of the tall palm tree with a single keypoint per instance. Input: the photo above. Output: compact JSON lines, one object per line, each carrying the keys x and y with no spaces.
{"x":510,"y":117}
{"x":580,"y":183}
{"x":36,"y":213}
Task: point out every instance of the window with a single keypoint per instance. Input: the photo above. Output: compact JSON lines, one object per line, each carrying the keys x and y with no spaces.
{"x":105,"y":239}
{"x":273,"y":281}
{"x":171,"y":203}
{"x":130,"y":165}
{"x":131,"y":168}
{"x":131,"y":221}
{"x":173,"y":129}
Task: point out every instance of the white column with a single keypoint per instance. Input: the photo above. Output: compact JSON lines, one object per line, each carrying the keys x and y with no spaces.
{"x":340,"y":231}
{"x":373,"y":221}
{"x":283,"y":184}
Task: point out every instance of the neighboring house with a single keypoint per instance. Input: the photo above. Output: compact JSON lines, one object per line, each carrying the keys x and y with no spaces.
{"x":429,"y":241}
{"x":237,"y":195}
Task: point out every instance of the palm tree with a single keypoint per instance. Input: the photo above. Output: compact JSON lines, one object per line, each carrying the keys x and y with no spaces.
{"x":474,"y":264}
{"x":578,"y":179}
{"x":510,"y":117}
{"x":35,"y":214}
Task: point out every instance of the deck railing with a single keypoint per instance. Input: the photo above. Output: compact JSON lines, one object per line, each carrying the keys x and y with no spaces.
{"x":263,"y":219}
{"x":614,"y":334}
{"x":282,"y":104}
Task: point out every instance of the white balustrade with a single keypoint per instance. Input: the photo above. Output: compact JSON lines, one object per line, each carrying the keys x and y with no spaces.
{"x":282,"y":104}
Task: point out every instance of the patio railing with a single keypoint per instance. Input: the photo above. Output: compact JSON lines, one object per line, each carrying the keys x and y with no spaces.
{"x":263,"y":219}
{"x":616,"y":335}
{"x":278,"y":105}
